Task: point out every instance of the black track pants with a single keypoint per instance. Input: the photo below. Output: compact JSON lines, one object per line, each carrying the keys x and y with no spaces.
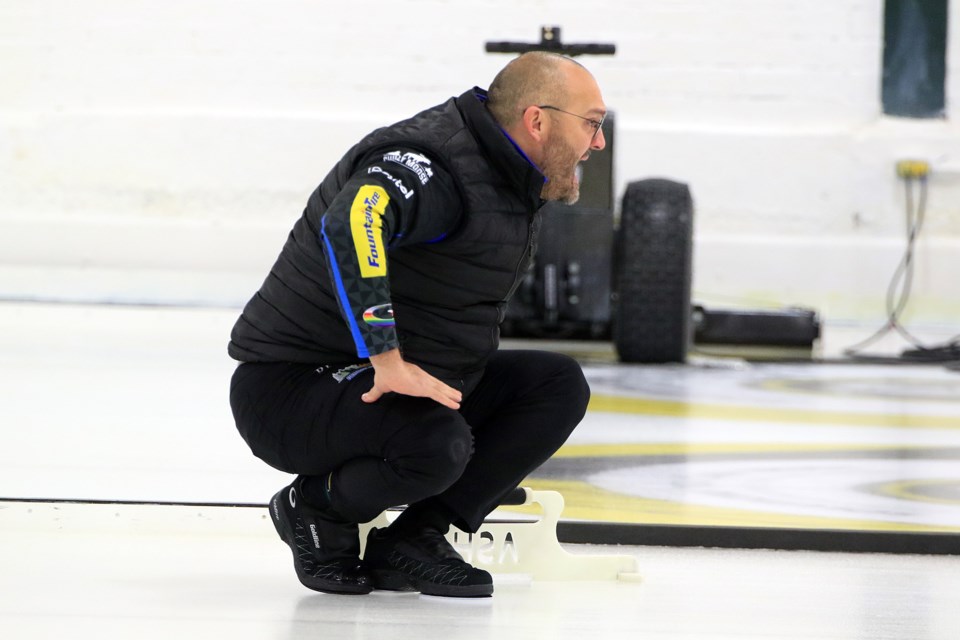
{"x":310,"y":420}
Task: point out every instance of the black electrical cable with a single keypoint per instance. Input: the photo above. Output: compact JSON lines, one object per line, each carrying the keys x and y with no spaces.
{"x":898,"y":295}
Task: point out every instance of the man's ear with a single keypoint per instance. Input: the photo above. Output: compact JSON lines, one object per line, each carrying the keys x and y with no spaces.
{"x":530,"y":133}
{"x":535,"y":125}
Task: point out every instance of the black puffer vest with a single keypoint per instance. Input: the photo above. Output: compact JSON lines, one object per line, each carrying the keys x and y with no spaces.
{"x":448,"y":297}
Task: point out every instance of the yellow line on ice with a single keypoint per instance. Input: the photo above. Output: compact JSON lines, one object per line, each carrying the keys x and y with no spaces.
{"x":613,"y":450}
{"x":914,"y":490}
{"x":677,"y":409}
{"x":586,"y":502}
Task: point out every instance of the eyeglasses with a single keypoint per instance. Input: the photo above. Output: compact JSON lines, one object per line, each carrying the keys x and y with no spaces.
{"x":596,"y":124}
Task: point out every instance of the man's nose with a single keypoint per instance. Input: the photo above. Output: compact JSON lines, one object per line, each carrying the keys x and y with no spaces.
{"x":599,"y":141}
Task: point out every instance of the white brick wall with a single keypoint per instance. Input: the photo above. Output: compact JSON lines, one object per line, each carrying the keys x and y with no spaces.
{"x":156,"y":135}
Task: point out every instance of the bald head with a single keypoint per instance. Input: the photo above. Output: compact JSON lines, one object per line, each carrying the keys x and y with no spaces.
{"x":533,"y":78}
{"x":551,"y":108}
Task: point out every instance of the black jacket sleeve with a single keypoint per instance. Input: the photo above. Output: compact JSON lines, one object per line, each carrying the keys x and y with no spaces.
{"x":399,"y":199}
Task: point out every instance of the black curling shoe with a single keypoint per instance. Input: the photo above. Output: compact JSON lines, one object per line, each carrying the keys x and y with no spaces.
{"x":424,"y":562}
{"x":326,"y":549}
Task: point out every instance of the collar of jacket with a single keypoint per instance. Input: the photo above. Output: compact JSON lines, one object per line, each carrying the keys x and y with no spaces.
{"x":502,"y":151}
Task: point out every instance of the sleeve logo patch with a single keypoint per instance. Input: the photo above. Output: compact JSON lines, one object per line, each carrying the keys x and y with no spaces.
{"x":366,"y":224}
{"x":402,"y":188}
{"x":379,"y":316}
{"x":416,"y":162}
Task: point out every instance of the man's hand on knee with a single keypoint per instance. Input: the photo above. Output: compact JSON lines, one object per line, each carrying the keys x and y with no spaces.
{"x":394,"y":374}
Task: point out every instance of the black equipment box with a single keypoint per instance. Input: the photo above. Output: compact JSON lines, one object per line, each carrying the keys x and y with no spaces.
{"x":786,"y":328}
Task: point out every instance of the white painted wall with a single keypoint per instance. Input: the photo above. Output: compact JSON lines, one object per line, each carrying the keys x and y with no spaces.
{"x":159,"y":150}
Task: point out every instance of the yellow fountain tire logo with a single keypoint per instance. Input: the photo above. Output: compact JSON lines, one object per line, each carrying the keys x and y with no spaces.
{"x":366,"y":225}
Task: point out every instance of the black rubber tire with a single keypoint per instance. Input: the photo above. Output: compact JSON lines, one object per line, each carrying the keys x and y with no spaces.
{"x":652,"y":272}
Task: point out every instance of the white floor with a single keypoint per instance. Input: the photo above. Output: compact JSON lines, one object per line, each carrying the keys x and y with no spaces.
{"x":103,"y":571}
{"x":122,"y":403}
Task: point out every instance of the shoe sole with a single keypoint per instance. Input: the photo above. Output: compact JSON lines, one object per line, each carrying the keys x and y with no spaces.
{"x":385,"y":580}
{"x":315,"y":584}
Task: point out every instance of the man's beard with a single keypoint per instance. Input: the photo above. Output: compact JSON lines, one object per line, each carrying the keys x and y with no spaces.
{"x":560,"y":168}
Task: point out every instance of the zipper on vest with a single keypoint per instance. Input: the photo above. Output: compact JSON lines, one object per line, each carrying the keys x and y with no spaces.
{"x":518,"y":276}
